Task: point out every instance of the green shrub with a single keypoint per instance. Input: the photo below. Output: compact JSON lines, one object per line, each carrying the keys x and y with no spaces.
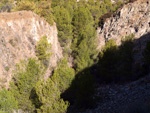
{"x":48,"y":92}
{"x":63,"y":20}
{"x":27,"y":74}
{"x":49,"y":96}
{"x":63,"y":76}
{"x":119,"y":3}
{"x":42,"y":8}
{"x":84,"y":48}
{"x":43,"y":50}
{"x":7,"y":68}
{"x":25,"y":5}
{"x":6,"y":5}
{"x":7,"y":102}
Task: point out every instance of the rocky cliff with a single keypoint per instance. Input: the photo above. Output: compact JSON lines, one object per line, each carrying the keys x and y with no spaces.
{"x":19,"y":33}
{"x":132,"y":18}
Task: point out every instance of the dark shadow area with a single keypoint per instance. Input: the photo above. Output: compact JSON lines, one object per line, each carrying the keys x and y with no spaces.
{"x":139,"y":107}
{"x":131,"y":1}
{"x":80,"y":94}
{"x":35,"y":99}
{"x":116,"y":65}
{"x":103,"y":18}
{"x":125,"y":63}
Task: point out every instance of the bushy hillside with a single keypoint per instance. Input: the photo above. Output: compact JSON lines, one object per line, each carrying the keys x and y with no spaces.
{"x":65,"y":79}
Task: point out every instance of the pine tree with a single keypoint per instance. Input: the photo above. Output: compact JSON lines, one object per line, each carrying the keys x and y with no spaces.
{"x":84,"y":46}
{"x":49,"y":96}
{"x":24,"y":80}
{"x":7,"y":102}
{"x":63,"y":76}
{"x":63,"y":20}
{"x":43,"y":50}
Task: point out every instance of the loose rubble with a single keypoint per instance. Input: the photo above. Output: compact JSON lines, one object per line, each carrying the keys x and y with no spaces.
{"x":119,"y":98}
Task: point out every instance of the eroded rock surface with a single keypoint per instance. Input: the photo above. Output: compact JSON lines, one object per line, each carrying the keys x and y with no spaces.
{"x":19,"y":33}
{"x":132,"y":18}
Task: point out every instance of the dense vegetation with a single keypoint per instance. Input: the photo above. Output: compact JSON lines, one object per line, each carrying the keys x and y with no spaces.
{"x":43,"y":51}
{"x":8,"y":103}
{"x":75,"y":87}
{"x":30,"y":92}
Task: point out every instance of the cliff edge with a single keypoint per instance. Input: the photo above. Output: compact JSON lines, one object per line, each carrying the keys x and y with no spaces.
{"x":19,"y":33}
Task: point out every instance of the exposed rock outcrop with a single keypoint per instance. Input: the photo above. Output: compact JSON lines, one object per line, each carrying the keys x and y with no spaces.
{"x":19,"y":33}
{"x":132,"y":18}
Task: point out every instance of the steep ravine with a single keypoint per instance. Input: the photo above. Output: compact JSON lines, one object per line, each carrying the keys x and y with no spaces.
{"x":19,"y":33}
{"x":133,"y":18}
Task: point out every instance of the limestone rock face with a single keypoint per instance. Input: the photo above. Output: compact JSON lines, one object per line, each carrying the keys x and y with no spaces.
{"x":132,"y":18}
{"x":19,"y":33}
